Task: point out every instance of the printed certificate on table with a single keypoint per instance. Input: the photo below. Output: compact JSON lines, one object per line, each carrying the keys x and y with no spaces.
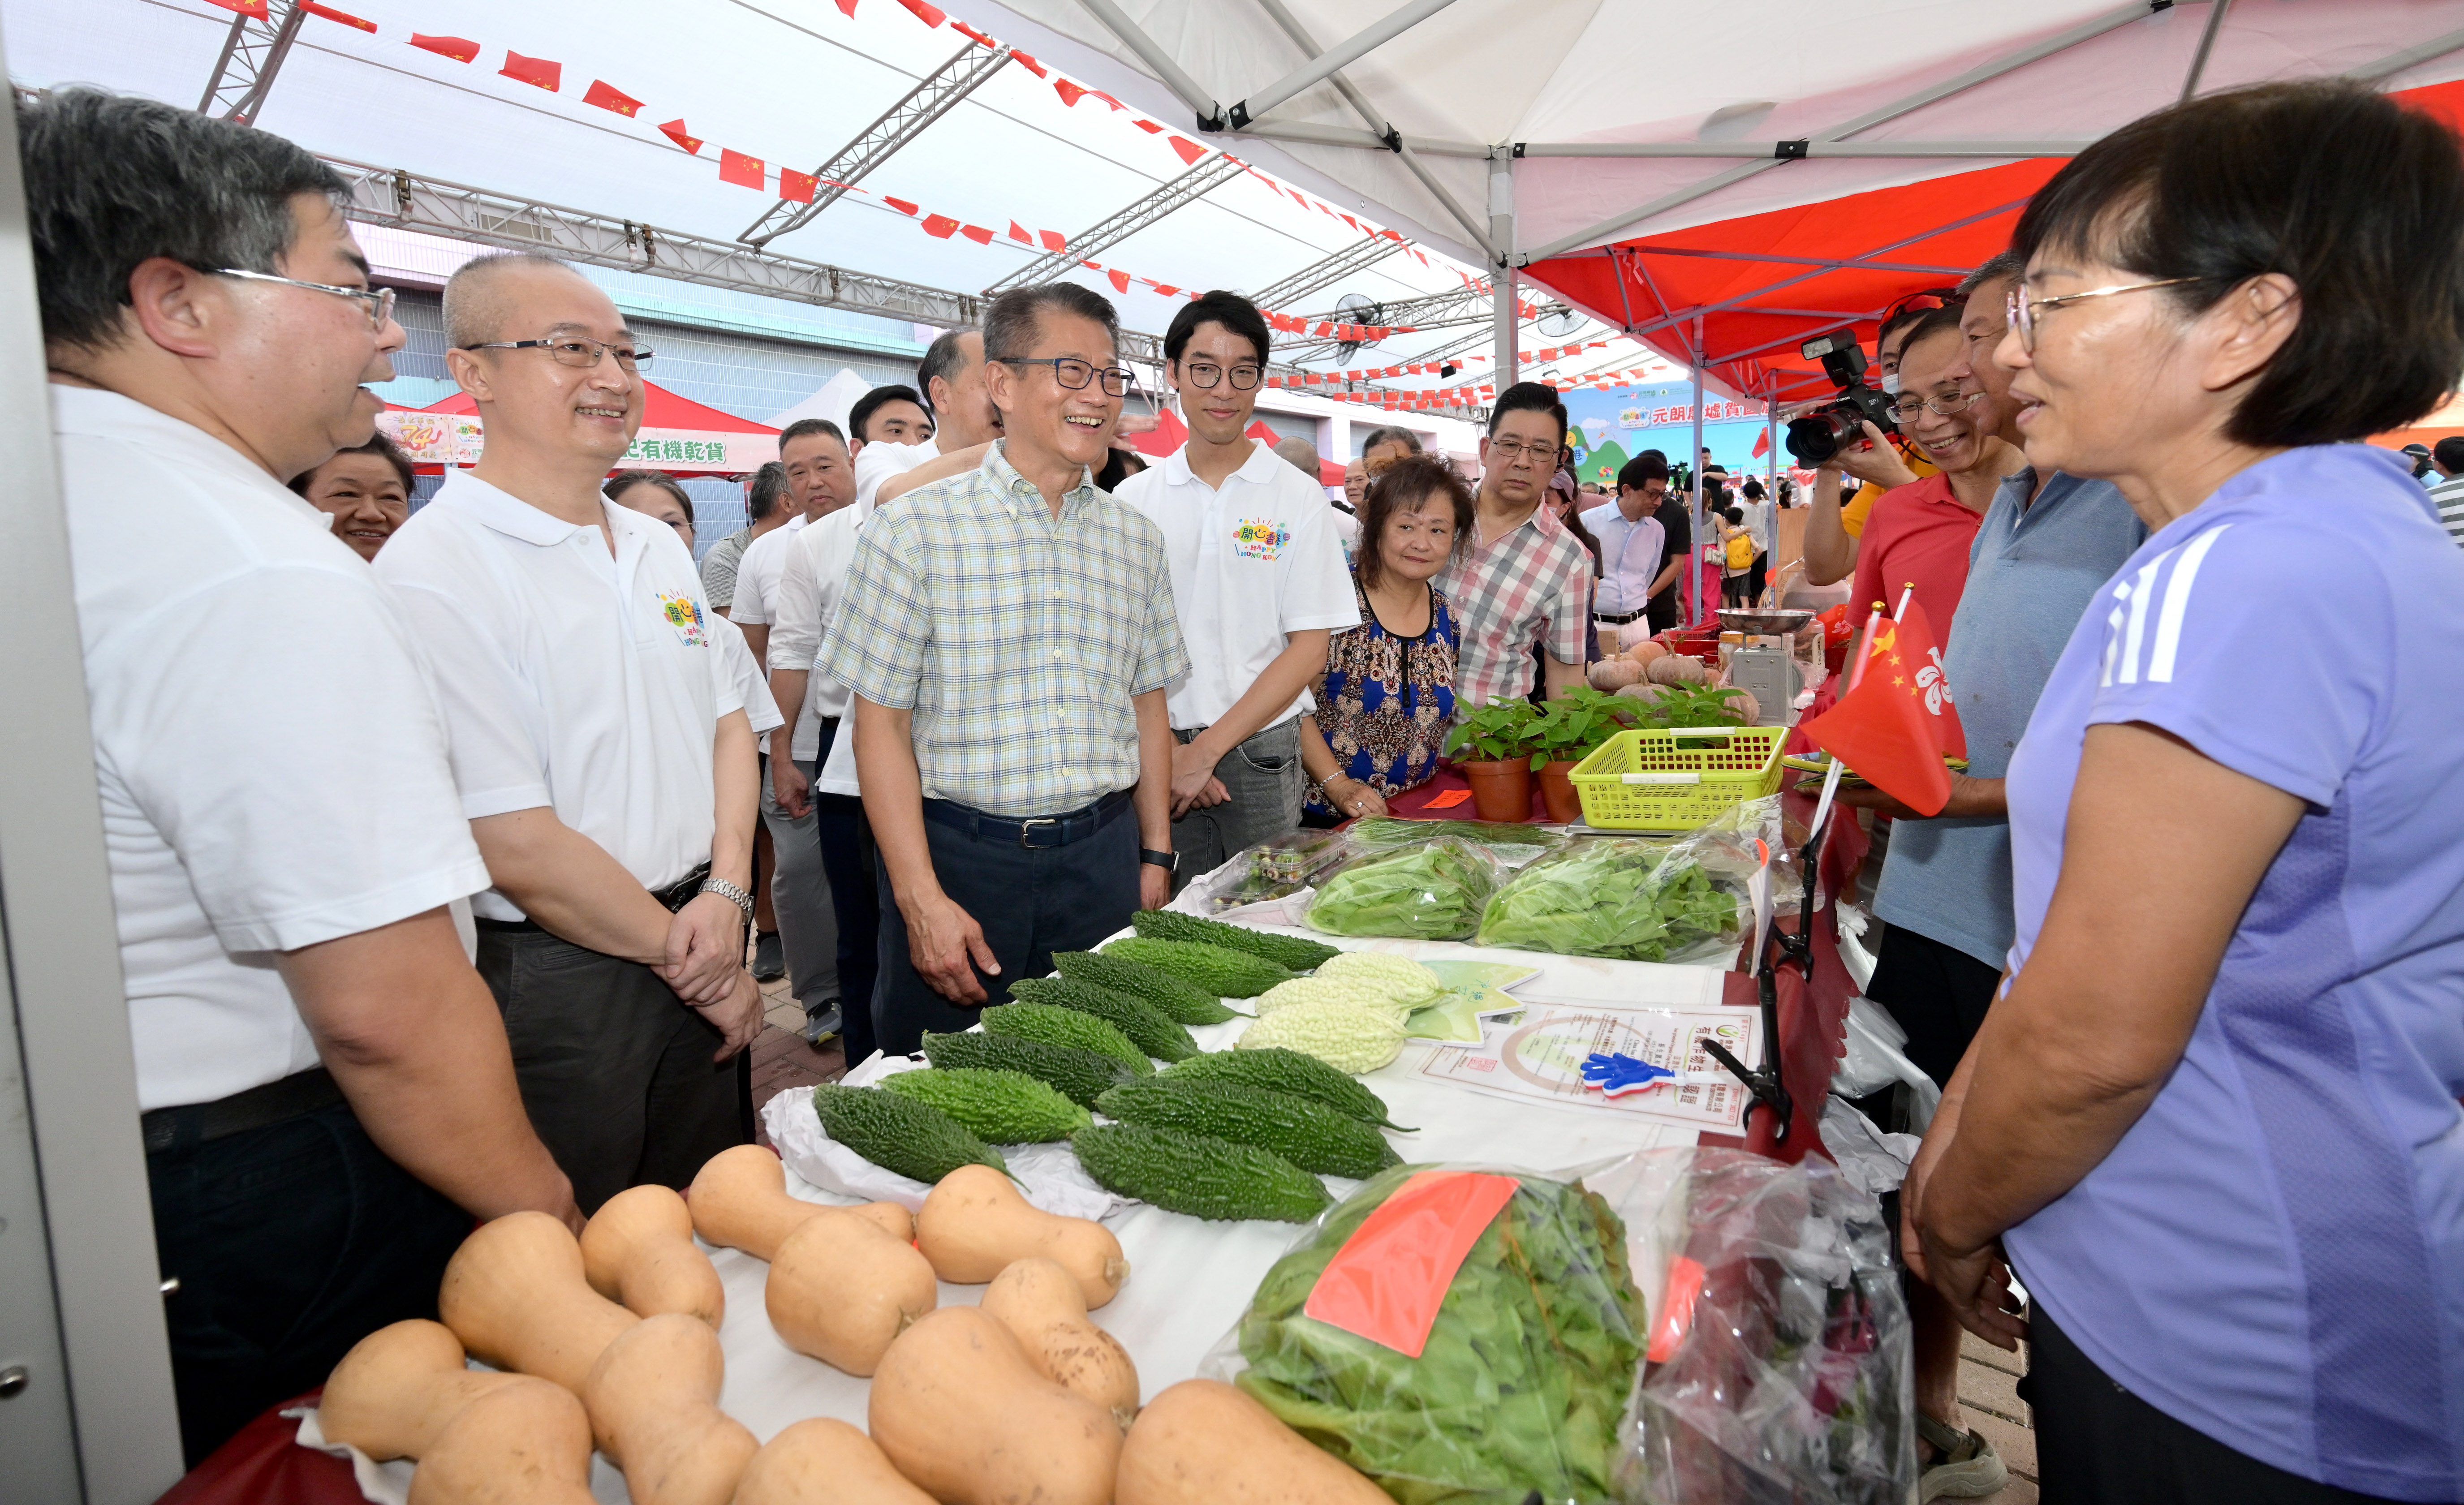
{"x":1541,"y":1058}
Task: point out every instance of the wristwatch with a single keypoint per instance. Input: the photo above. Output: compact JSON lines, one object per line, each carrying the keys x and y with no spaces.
{"x":731,"y":893}
{"x":1169,"y":861}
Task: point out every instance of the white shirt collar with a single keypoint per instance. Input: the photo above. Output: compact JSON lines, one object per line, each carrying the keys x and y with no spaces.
{"x":101,"y":414}
{"x":509,"y":515}
{"x":1254,"y":469}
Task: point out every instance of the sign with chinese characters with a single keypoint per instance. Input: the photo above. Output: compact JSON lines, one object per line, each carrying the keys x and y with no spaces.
{"x":433,"y":437}
{"x":455,"y":439}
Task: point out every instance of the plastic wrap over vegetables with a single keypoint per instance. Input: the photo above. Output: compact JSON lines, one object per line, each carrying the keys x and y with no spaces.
{"x":1431,"y":892}
{"x":1610,"y":896}
{"x":1511,"y":844}
{"x":1778,"y":1368}
{"x":1458,"y":1335}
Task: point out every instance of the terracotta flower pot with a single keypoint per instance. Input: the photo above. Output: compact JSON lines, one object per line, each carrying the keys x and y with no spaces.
{"x":1502,"y":790}
{"x":1557,"y":792}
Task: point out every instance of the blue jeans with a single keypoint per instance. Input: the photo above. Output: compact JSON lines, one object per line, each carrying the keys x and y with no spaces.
{"x":1265,"y":778}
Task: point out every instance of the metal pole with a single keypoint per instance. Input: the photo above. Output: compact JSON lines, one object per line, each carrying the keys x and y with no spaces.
{"x":1694,"y":462}
{"x":1771,"y":484}
{"x":1502,"y":319}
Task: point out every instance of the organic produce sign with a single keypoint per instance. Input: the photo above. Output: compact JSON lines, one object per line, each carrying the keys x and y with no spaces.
{"x":1542,"y":1057}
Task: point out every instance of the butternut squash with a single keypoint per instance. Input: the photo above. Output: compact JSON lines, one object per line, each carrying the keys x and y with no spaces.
{"x":1040,"y":1304}
{"x":513,"y":1292}
{"x":398,"y":1387}
{"x":638,"y":1249}
{"x":739,"y":1201}
{"x":654,"y":1404}
{"x":526,"y":1443}
{"x":975,"y":1225}
{"x":1205,"y":1443}
{"x":824,"y":1462}
{"x":841,"y":1289}
{"x":957,"y":1408}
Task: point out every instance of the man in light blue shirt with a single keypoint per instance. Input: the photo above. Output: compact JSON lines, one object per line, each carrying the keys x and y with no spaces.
{"x":1633,"y":550}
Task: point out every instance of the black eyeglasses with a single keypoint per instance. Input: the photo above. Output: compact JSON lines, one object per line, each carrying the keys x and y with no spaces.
{"x":1206,"y":374}
{"x":1074,"y":373}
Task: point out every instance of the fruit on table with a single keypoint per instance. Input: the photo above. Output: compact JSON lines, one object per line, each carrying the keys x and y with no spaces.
{"x":1208,"y":1178}
{"x":1612,"y":674}
{"x":1218,"y":970}
{"x":1205,"y":1443}
{"x":638,"y":1251}
{"x":1080,"y":1076}
{"x":900,"y":1134}
{"x":1308,"y":1134}
{"x":823,"y":1459}
{"x":1179,"y":1000}
{"x":1347,"y":1036}
{"x":1149,"y":1028}
{"x":1000,"y":1107}
{"x":1349,"y":992}
{"x":526,"y":1443}
{"x":1040,"y":1304}
{"x":653,"y":1403}
{"x":739,"y":1200}
{"x":1647,"y":652}
{"x":1409,"y":983}
{"x":515,"y":1294}
{"x":958,"y":1408}
{"x":1279,"y":1070}
{"x":976,"y":1225}
{"x":1295,"y":951}
{"x":1067,"y":1028}
{"x":842,"y":1290}
{"x":1677,"y":669}
{"x":398,"y":1387}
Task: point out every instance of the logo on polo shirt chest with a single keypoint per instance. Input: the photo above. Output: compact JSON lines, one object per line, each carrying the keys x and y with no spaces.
{"x":1260,"y":538}
{"x":684,"y":614}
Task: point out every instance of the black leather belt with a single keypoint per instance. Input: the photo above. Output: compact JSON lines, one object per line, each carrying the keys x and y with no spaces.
{"x":301,"y":1092}
{"x":674,"y":897}
{"x":1041,"y":831}
{"x":1617,"y":619}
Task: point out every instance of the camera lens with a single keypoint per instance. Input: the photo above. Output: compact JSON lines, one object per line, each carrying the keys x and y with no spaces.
{"x":1819,"y":435}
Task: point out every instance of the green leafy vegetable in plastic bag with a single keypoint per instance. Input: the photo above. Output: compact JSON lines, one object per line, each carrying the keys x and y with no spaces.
{"x":1433,"y":892}
{"x":1524,"y":1378}
{"x":1605,"y":896}
{"x":1512,"y":843}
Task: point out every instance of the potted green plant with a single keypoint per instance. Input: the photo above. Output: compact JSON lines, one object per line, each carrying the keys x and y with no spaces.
{"x":1569,"y":730}
{"x":1499,"y":737}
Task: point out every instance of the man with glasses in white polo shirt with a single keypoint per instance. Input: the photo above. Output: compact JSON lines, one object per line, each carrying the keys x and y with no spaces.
{"x":1259,"y":583}
{"x":327,"y":1096}
{"x":604,"y":759}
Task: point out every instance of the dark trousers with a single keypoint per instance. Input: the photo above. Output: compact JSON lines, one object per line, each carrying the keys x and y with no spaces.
{"x":848,"y":858}
{"x":615,"y":1071}
{"x":2097,"y":1444}
{"x":1662,"y":610}
{"x":290,"y":1243}
{"x":1937,"y":992}
{"x":1030,"y":902}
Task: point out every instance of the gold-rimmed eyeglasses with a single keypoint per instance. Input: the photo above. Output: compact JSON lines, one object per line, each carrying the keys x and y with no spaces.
{"x":572,"y":350}
{"x":2021,"y":310}
{"x":1906,"y":408}
{"x":379,"y":300}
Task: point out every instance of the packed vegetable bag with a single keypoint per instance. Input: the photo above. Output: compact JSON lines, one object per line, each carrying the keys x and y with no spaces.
{"x":1612,"y":896}
{"x":1431,"y":892}
{"x":1512,"y":845}
{"x":1779,"y":1370}
{"x":1456,"y":1333}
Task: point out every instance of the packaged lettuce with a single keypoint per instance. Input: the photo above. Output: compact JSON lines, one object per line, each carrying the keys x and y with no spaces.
{"x":1520,"y":1376}
{"x":1431,"y":892}
{"x":1511,"y":844}
{"x":1610,"y":896}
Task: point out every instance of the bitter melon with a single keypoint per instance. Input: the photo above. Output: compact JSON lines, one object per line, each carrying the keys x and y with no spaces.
{"x":1080,"y":1076}
{"x":1209,"y":1178}
{"x":1345,"y":1036}
{"x":1280,"y":1070}
{"x":896,"y":1133}
{"x":1218,"y":970}
{"x":1066,"y":1027}
{"x":1296,"y":952}
{"x":1000,"y":1108}
{"x":1141,"y":1021}
{"x":1183,"y":1002}
{"x":1308,"y":1134}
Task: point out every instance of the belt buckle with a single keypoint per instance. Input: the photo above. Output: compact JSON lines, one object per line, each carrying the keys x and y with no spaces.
{"x":1024,"y":827}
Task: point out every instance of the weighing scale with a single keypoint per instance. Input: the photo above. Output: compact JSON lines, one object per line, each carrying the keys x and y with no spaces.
{"x":1766,"y":664}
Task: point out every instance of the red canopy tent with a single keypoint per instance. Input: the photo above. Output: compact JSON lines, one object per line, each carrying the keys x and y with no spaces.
{"x":679,"y":435}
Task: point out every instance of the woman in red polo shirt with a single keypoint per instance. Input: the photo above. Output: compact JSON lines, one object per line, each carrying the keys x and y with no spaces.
{"x":1922,"y":532}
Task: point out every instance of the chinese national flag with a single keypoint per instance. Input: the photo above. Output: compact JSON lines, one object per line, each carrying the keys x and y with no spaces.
{"x":1761,"y":444}
{"x":1148,"y":127}
{"x":345,"y":17}
{"x":1053,"y":240}
{"x":1071,"y":93}
{"x":977,"y":233}
{"x":674,"y":131}
{"x":1190,"y":151}
{"x":1027,"y":63}
{"x":1895,"y":726}
{"x":745,"y":172}
{"x":911,"y":211}
{"x":609,"y":98}
{"x":461,"y":49}
{"x":940,"y":226}
{"x":797,"y":185}
{"x":1120,"y":280}
{"x":538,"y":71}
{"x":930,"y":15}
{"x":253,"y":8}
{"x":1017,"y":233}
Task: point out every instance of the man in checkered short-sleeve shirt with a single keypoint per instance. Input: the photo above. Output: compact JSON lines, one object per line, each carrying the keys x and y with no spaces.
{"x":1007,"y":634}
{"x":1522,"y":581}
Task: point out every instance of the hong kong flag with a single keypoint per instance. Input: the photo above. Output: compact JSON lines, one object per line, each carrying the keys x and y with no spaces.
{"x":1896,"y":723}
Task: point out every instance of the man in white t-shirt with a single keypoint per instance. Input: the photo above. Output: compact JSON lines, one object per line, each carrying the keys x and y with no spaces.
{"x":603,"y":755}
{"x":821,"y":481}
{"x":952,"y":379}
{"x":327,"y":1096}
{"x":889,"y":415}
{"x":1258,"y":581}
{"x":765,"y":511}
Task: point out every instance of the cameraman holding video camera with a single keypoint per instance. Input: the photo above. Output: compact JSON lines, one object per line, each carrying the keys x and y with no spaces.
{"x":1881,"y":460}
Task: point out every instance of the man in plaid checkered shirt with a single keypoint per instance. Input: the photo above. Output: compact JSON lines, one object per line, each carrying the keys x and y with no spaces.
{"x":1522,"y":581}
{"x":1007,"y":633}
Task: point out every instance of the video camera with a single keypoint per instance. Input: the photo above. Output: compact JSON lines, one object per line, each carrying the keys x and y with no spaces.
{"x":1824,"y":432}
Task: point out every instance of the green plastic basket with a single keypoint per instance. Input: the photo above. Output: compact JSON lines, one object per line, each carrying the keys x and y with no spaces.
{"x":1676,"y":780}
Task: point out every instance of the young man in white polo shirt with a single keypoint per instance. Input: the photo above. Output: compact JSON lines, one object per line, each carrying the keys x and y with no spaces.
{"x":605,"y":760}
{"x":328,"y":1099}
{"x":1259,"y":583}
{"x":952,"y":379}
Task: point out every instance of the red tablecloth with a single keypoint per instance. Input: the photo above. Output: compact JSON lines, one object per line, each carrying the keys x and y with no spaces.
{"x":263,"y":1466}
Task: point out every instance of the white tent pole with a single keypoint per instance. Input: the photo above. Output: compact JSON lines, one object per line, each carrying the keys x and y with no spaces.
{"x":1315,"y":71}
{"x":1694,"y":463}
{"x":1781,"y":151}
{"x":1192,"y":93}
{"x":2207,"y":41}
{"x":2397,"y":62}
{"x":1503,"y":301}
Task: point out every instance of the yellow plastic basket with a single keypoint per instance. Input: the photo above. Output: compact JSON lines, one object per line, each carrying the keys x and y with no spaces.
{"x":1675,"y":780}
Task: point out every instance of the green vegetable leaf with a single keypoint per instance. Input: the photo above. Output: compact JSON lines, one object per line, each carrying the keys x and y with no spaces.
{"x":1614,"y":897}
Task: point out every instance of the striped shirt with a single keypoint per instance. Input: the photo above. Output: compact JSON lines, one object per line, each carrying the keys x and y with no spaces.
{"x":2448,"y":496}
{"x":1532,"y":585}
{"x":1016,"y":638}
